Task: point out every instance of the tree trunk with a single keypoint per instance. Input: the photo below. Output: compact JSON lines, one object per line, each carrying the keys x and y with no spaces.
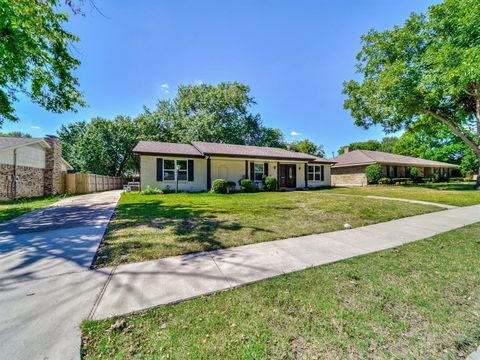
{"x":478,"y":172}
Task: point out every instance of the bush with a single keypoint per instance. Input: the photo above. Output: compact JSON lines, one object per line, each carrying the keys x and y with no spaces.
{"x":438,"y":178}
{"x":373,"y":173}
{"x":384,"y":181}
{"x":456,"y":179}
{"x":219,"y":186}
{"x":231,"y":185}
{"x":401,"y":181}
{"x":151,"y":191}
{"x":270,"y":183}
{"x":413,"y":172}
{"x":246,"y":185}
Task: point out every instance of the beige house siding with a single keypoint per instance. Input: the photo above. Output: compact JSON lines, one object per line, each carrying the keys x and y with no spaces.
{"x":349,"y":176}
{"x":230,"y":169}
{"x":29,"y":155}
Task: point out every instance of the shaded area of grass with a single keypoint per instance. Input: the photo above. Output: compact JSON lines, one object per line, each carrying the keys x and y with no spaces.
{"x":450,"y":194}
{"x":419,"y":301}
{"x":154,"y":226}
{"x":13,"y":208}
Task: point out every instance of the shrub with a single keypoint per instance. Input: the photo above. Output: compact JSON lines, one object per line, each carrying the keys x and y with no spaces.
{"x":231,"y":185}
{"x":413,"y":172}
{"x":270,"y":183}
{"x":219,"y":186}
{"x":384,"y":181}
{"x":437,"y":178}
{"x":456,"y":179}
{"x":151,"y":191}
{"x":246,"y":185}
{"x":399,"y":181}
{"x":373,"y":173}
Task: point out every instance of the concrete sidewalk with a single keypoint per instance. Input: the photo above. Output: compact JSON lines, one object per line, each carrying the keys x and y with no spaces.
{"x":134,"y":287}
{"x":46,"y":286}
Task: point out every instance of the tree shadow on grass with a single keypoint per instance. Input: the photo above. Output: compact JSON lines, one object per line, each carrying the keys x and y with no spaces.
{"x":195,"y":229}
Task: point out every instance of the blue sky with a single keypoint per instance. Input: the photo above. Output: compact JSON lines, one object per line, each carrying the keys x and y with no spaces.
{"x":293,"y":54}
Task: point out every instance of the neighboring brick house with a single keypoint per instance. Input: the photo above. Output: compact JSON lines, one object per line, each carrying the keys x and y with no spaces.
{"x":31,"y":167}
{"x":349,"y":168}
{"x":198,"y":164}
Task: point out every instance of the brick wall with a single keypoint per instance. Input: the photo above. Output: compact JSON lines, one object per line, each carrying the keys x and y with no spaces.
{"x":54,"y":177}
{"x":349,"y":176}
{"x":29,"y":183}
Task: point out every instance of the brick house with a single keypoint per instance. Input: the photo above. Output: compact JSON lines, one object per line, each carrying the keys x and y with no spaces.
{"x":349,"y":168}
{"x":31,"y":167}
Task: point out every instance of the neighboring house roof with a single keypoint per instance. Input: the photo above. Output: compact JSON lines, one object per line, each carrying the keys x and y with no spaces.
{"x":7,"y":142}
{"x":202,"y":149}
{"x":364,"y":157}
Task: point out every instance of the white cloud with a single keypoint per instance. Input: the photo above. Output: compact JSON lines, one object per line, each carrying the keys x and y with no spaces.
{"x":294,"y":133}
{"x":35,"y":127}
{"x":198,"y":82}
{"x":165,"y":88}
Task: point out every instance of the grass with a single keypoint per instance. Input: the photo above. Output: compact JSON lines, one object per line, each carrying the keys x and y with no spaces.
{"x":417,"y":301}
{"x":13,"y":208}
{"x":450,"y":194}
{"x":155,"y":226}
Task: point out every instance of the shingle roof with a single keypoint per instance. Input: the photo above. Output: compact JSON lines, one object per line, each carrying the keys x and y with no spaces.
{"x":7,"y":142}
{"x":249,"y":151}
{"x":358,"y":157}
{"x":163,"y":148}
{"x":200,"y":149}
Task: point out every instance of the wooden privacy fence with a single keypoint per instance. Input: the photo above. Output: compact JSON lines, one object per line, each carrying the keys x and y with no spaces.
{"x":81,"y":183}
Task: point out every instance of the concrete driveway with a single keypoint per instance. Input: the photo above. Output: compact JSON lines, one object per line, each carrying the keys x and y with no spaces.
{"x":46,"y":287}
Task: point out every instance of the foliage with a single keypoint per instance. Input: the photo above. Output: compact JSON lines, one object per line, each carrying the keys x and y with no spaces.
{"x":384,"y":181}
{"x":270,"y":183}
{"x":246,"y":185}
{"x":307,"y":147}
{"x":219,"y":186}
{"x":231,"y":185}
{"x":386,"y":145}
{"x":429,"y":67}
{"x":413,"y":171}
{"x":373,"y":173}
{"x":102,"y":146}
{"x":151,"y":191}
{"x":36,"y":57}
{"x":438,"y":178}
{"x":16,"y":134}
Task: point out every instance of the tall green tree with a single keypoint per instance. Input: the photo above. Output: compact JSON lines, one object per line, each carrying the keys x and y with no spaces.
{"x":429,"y":66}
{"x":386,"y":145}
{"x":307,"y":147}
{"x":16,"y":134}
{"x":36,"y":57}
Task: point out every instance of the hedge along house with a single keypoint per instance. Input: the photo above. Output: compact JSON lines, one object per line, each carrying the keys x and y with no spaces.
{"x":349,"y":168}
{"x":198,"y":164}
{"x":31,"y":167}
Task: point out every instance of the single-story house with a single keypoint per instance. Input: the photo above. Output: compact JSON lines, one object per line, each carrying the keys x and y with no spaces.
{"x":349,"y":168}
{"x":31,"y":167}
{"x":198,"y":164}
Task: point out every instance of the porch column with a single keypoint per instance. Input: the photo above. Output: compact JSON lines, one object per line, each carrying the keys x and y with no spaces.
{"x":246,"y":169}
{"x":209,"y":174}
{"x":278,"y":175}
{"x":306,"y":175}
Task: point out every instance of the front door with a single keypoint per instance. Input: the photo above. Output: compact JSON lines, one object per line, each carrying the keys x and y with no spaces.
{"x":288,"y":176}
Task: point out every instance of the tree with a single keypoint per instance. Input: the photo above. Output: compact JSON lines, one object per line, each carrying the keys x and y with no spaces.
{"x":16,"y":134}
{"x":373,"y":173}
{"x":307,"y":147}
{"x":386,"y":145}
{"x":35,"y":57}
{"x":428,"y":140}
{"x":212,"y":113}
{"x":102,"y":146}
{"x":429,"y":67}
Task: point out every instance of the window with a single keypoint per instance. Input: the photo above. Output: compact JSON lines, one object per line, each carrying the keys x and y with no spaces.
{"x":258,"y":172}
{"x":315,"y":172}
{"x":170,"y":169}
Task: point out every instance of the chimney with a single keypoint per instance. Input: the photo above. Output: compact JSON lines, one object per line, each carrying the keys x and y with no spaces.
{"x":53,"y":183}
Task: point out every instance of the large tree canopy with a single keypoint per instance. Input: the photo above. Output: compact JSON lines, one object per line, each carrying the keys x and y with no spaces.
{"x":430,"y":66}
{"x":201,"y":112}
{"x":35,"y":57}
{"x":307,"y":147}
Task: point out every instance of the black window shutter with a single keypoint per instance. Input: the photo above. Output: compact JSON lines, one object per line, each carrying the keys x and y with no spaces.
{"x":265,"y":169}
{"x":252,"y":171}
{"x":322,"y":173}
{"x":190,"y":170}
{"x":159,"y":169}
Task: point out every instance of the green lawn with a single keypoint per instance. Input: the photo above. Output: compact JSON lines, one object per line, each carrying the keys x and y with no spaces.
{"x":417,"y":301}
{"x":155,"y":226}
{"x":13,"y":208}
{"x":451,"y":194}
